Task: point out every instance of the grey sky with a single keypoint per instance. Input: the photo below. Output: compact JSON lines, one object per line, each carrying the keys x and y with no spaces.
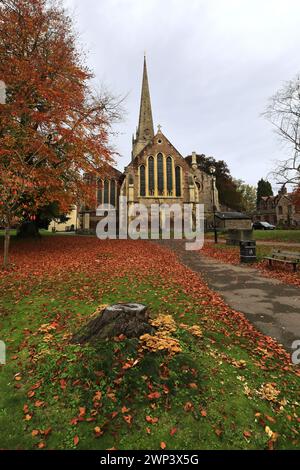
{"x":212,"y":65}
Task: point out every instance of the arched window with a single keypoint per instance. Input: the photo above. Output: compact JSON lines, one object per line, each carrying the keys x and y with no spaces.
{"x":113,"y":192}
{"x":99,"y":191}
{"x":160,"y":174}
{"x":151,"y":175}
{"x":106,"y":191}
{"x":169,"y":176}
{"x":178,"y":181}
{"x":142,"y":181}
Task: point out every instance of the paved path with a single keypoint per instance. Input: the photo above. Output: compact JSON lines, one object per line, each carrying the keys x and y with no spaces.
{"x":273,"y":307}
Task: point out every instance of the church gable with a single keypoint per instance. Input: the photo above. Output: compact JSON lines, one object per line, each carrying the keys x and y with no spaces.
{"x":159,"y":170}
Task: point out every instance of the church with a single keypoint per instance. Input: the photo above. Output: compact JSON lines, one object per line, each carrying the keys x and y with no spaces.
{"x":157,"y":173}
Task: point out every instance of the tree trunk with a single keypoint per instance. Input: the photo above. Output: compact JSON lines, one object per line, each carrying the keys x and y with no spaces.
{"x":6,"y":247}
{"x":28,"y":229}
{"x":130,"y":320}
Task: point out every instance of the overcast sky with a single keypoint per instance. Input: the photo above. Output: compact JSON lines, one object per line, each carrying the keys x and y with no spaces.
{"x":212,"y":66}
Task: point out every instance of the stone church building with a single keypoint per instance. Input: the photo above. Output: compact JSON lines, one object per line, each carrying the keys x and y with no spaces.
{"x":157,"y":173}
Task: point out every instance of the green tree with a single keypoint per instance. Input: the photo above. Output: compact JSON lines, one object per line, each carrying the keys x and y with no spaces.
{"x":228,"y":191}
{"x":248,"y":194}
{"x":264,"y":188}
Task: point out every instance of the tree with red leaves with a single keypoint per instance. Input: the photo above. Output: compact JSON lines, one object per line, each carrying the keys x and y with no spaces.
{"x":53,"y":126}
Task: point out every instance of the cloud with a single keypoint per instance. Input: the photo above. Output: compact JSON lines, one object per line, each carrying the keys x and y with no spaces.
{"x":212,"y":66}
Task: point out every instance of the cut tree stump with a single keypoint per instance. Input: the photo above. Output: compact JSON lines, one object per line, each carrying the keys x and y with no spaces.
{"x":131,"y":320}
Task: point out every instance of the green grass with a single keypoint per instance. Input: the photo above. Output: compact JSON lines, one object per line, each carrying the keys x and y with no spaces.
{"x":43,"y":232}
{"x":292,"y":236}
{"x":278,"y":235}
{"x":219,"y":387}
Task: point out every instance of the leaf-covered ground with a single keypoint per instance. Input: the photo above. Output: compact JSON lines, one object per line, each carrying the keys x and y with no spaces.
{"x":216,"y":383}
{"x":231,"y":255}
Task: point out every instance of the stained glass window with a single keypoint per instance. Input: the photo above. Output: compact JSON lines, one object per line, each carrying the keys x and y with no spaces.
{"x":178,"y":181}
{"x":99,"y":192}
{"x":113,"y":192}
{"x":142,"y":181}
{"x":151,"y":175}
{"x":106,"y":191}
{"x":160,"y":174}
{"x":169,"y":176}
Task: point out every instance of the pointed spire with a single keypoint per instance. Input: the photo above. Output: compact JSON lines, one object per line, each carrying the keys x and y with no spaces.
{"x":145,"y":131}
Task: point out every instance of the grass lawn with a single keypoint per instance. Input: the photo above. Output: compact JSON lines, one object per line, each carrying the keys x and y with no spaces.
{"x":278,"y":235}
{"x":223,"y":386}
{"x":286,"y":236}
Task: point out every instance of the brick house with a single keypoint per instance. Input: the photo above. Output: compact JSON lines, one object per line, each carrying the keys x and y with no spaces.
{"x":278,"y":210}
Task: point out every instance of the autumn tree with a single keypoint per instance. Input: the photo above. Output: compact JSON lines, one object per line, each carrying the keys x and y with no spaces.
{"x":53,"y":126}
{"x":264,"y":189}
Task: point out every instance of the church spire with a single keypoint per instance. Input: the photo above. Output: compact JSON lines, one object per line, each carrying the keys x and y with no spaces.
{"x":145,"y":131}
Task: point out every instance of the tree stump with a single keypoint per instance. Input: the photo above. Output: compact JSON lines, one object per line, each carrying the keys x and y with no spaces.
{"x":131,"y":320}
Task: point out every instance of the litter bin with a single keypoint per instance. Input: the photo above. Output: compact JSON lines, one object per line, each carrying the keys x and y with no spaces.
{"x":248,"y":251}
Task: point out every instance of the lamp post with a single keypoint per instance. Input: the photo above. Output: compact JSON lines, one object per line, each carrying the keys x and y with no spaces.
{"x":212,"y":171}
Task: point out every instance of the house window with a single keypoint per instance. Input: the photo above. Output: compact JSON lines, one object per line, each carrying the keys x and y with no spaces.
{"x":169,"y":176}
{"x":280,"y":210}
{"x":106,"y":191}
{"x":151,"y":175}
{"x":178,"y":181}
{"x":142,"y":181}
{"x":99,"y":191}
{"x":113,"y":192}
{"x":160,"y":174}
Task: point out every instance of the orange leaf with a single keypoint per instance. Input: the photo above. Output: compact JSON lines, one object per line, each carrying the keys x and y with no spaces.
{"x":39,"y":403}
{"x":151,"y":420}
{"x":153,"y":395}
{"x":63,"y":383}
{"x":163,"y":445}
{"x":76,"y":440}
{"x":173,"y":431}
{"x":193,"y":386}
{"x":98,"y":431}
{"x":188,"y":406}
{"x":128,"y":419}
